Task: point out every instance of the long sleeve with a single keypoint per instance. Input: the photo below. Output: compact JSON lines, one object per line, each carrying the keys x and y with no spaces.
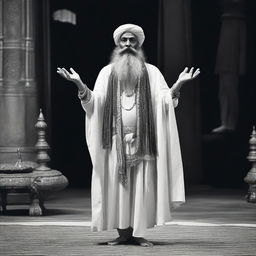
{"x":99,"y":92}
{"x":86,"y":98}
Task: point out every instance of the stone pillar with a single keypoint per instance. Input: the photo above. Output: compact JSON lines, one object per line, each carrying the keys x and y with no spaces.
{"x":18,"y":90}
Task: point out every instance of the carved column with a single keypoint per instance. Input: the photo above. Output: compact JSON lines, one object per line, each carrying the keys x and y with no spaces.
{"x":18,"y":90}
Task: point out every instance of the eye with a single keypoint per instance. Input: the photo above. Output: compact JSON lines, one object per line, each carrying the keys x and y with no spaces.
{"x":123,"y":39}
{"x":132,"y":40}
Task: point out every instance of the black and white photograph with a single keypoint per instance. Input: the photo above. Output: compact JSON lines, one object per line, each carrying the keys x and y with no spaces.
{"x":127,"y":128}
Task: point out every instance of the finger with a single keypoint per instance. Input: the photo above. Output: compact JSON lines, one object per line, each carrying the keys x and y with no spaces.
{"x":62,"y":72}
{"x":65,"y":71}
{"x":191,"y":70}
{"x":185,"y":70}
{"x":67,"y":74}
{"x":72,"y":71}
{"x":196,"y":75}
{"x":197,"y":71}
{"x":59,"y":70}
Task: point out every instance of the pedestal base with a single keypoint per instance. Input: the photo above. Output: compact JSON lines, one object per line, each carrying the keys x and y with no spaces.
{"x":37,"y":185}
{"x":251,"y":194}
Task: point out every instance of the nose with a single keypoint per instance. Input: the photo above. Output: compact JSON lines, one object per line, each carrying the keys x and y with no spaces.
{"x":128,"y":43}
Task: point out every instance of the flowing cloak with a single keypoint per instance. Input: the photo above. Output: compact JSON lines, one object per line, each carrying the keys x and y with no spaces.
{"x":158,"y":186}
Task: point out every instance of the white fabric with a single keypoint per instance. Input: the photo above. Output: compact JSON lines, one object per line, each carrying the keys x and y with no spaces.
{"x":134,"y":29}
{"x":155,"y":187}
{"x":128,"y":116}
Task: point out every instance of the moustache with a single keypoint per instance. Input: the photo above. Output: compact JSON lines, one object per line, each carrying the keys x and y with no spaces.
{"x":127,"y":50}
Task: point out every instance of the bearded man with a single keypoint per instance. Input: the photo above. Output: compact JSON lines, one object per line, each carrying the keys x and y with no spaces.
{"x":133,"y":141}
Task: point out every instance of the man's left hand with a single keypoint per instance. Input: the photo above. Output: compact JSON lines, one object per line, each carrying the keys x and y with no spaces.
{"x":187,"y":75}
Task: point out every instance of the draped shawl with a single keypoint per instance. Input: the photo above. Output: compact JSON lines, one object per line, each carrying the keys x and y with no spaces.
{"x":112,"y":122}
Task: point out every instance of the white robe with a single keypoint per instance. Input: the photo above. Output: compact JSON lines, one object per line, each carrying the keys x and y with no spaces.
{"x":154,"y":187}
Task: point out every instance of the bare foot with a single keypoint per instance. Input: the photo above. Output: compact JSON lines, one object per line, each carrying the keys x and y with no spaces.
{"x":119,"y":240}
{"x":222,"y":129}
{"x":142,"y":242}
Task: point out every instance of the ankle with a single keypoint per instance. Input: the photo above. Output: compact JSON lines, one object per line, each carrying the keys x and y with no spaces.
{"x":126,"y":233}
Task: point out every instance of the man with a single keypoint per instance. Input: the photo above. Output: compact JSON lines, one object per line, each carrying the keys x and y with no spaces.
{"x":133,"y":142}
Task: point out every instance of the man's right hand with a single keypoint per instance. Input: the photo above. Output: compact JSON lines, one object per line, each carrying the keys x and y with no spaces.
{"x":71,"y":76}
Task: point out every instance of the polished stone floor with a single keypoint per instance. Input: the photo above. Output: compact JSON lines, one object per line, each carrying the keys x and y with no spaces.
{"x":211,"y":222}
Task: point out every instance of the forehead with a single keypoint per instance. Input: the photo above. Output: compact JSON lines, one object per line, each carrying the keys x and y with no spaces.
{"x":128,"y":35}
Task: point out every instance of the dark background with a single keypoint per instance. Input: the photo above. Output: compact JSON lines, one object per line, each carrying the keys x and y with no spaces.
{"x":87,"y":47}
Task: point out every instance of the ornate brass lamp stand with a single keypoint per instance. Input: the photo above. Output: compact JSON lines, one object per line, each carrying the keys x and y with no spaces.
{"x":251,"y":176}
{"x":36,"y":180}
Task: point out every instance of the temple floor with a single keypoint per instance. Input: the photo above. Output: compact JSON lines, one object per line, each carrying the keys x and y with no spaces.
{"x":211,"y":222}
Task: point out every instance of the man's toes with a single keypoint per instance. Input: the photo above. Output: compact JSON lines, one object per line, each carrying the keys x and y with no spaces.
{"x":146,"y":244}
{"x":142,"y":242}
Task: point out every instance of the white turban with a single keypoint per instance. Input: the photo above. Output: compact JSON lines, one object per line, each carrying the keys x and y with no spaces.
{"x":134,"y":29}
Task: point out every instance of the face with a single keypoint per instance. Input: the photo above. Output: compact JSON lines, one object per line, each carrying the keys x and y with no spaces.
{"x":128,"y":40}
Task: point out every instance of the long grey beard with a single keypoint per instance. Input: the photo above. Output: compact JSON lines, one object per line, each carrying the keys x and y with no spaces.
{"x":128,"y":66}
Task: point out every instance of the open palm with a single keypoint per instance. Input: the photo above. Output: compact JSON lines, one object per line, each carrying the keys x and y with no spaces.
{"x":186,"y":75}
{"x":70,"y":76}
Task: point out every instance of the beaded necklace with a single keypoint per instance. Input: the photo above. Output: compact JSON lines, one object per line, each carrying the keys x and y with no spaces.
{"x":128,"y":96}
